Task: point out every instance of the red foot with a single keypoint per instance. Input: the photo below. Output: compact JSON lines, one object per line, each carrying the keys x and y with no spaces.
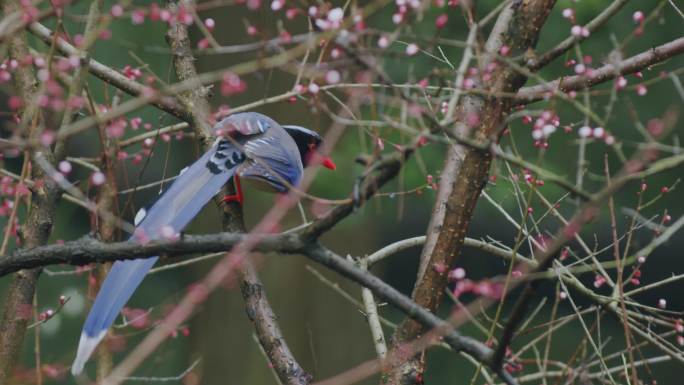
{"x":239,"y":198}
{"x":231,"y":198}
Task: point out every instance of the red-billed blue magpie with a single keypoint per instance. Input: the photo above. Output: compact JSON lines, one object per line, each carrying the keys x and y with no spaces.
{"x":249,"y":145}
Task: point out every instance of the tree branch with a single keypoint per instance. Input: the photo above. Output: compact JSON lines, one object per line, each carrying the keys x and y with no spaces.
{"x":602,"y":74}
{"x":18,"y":306}
{"x":569,"y":42}
{"x":108,"y":74}
{"x":258,"y":308}
{"x":466,"y":169}
{"x":457,"y":341}
{"x":89,"y":250}
{"x":584,"y":215}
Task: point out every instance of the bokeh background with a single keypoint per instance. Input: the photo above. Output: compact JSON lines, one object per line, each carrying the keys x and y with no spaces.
{"x":326,"y":332}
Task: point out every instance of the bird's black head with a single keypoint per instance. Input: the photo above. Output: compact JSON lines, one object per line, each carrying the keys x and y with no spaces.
{"x":308,"y":142}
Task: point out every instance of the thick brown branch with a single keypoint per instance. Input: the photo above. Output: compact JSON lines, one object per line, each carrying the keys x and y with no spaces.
{"x":466,"y":169}
{"x":17,"y":310}
{"x":195,"y":98}
{"x":89,"y":250}
{"x":271,"y":339}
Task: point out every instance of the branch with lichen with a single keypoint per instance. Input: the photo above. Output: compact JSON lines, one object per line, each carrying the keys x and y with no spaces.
{"x":466,"y":170}
{"x":18,"y":303}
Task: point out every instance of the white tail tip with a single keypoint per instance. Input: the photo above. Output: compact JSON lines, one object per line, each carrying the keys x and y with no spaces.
{"x":86,"y":347}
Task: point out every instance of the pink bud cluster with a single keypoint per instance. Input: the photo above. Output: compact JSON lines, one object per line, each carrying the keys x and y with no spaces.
{"x":569,"y":14}
{"x":599,"y":280}
{"x":578,"y":31}
{"x":639,"y":18}
{"x":581,"y":68}
{"x":184,"y":331}
{"x":433,"y":185}
{"x":596,"y":133}
{"x":312,"y":89}
{"x":53,"y":96}
{"x":530,"y":179}
{"x":512,"y":365}
{"x":621,"y":83}
{"x":542,"y":129}
{"x":232,"y":84}
{"x":8,"y":187}
{"x":29,"y":12}
{"x":132,"y":73}
{"x":6,"y":69}
{"x":332,"y":19}
{"x":156,"y":13}
{"x":485,"y":288}
{"x":679,"y":328}
{"x":46,"y":315}
{"x":404,"y":10}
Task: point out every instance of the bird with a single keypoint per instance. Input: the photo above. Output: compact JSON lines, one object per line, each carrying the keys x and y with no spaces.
{"x":249,"y":146}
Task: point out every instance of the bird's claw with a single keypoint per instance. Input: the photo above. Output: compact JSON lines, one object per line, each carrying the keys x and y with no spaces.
{"x":232,"y":198}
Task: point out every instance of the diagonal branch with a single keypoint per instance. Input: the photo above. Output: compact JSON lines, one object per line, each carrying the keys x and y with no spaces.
{"x":428,"y":320}
{"x":108,"y":74}
{"x":602,"y":74}
{"x":562,"y":47}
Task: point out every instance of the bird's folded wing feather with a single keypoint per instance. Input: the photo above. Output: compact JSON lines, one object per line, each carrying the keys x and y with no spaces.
{"x":274,"y":157}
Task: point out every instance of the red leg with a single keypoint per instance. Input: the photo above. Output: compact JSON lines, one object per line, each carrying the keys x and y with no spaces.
{"x":238,"y":187}
{"x":239,"y":198}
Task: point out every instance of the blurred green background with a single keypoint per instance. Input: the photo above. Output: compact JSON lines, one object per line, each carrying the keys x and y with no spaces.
{"x":327,"y":333}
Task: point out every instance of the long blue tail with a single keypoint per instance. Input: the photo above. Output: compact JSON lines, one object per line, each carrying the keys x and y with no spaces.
{"x":176,"y":207}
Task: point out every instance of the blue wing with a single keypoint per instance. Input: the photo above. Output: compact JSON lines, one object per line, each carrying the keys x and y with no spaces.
{"x":176,"y":207}
{"x":273,"y":158}
{"x":272,"y":154}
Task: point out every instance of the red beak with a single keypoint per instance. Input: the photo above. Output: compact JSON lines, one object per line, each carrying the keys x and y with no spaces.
{"x":328,"y":163}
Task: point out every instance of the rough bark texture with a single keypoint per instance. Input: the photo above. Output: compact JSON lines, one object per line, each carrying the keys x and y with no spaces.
{"x":257,"y":306}
{"x":17,"y":309}
{"x":267,"y":329}
{"x":466,"y":170}
{"x":195,"y":100}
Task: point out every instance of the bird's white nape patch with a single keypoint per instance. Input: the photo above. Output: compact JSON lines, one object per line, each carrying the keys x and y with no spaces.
{"x":86,"y":347}
{"x":139,"y":216}
{"x":301,"y":129}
